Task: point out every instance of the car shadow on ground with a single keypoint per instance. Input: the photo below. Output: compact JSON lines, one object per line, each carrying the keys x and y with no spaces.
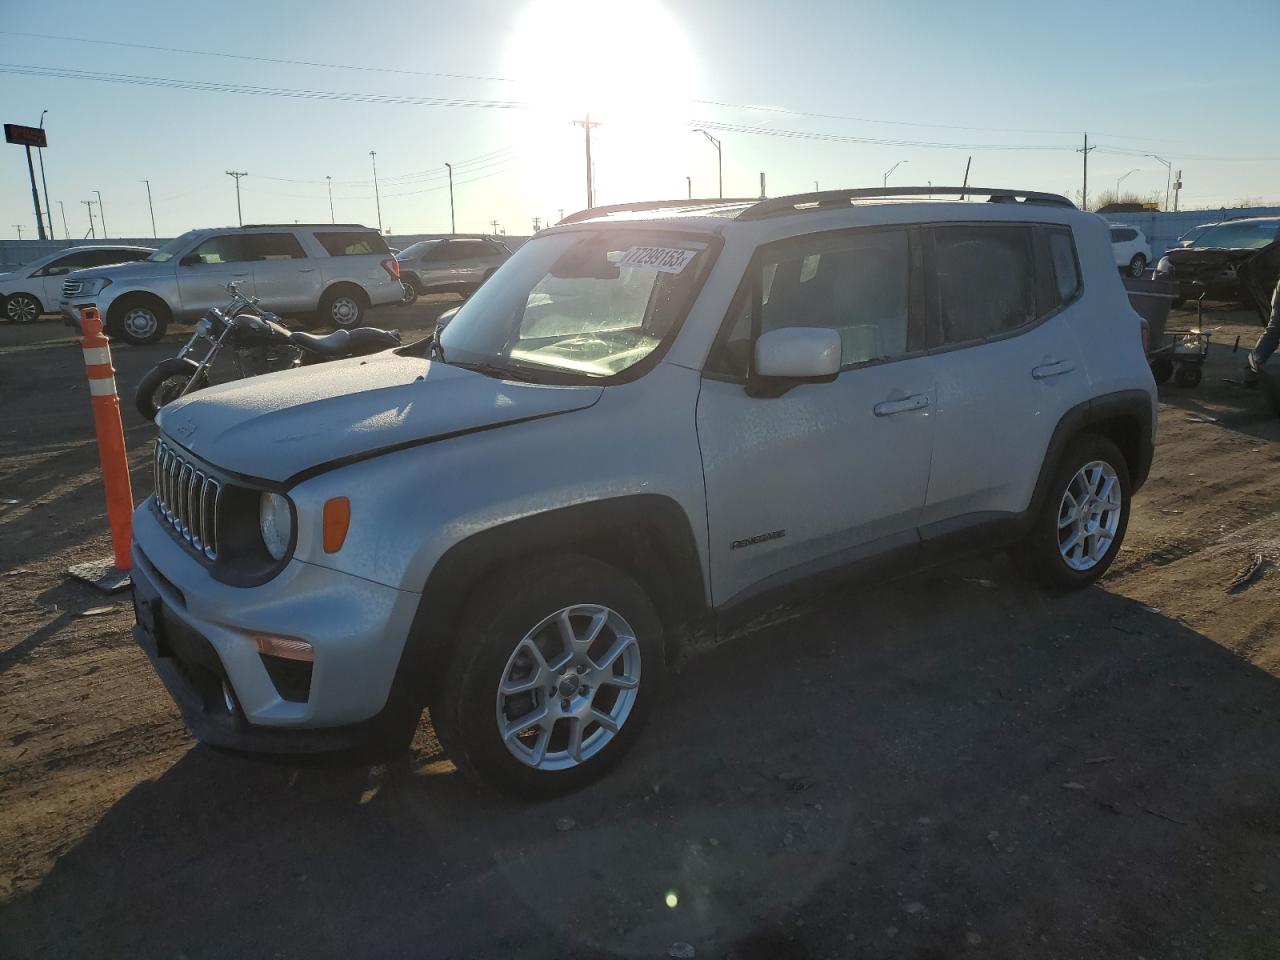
{"x":948,"y":763}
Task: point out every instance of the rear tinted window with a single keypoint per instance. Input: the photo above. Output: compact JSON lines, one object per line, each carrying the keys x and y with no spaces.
{"x":353,"y":243}
{"x":1123,"y":235}
{"x":470,"y":248}
{"x":986,"y":280}
{"x":273,"y":246}
{"x":1066,"y":270}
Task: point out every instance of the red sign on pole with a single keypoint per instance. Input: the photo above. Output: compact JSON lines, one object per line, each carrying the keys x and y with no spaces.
{"x":25,"y":136}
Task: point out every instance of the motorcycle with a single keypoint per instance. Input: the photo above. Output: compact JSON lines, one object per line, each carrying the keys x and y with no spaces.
{"x":260,"y":343}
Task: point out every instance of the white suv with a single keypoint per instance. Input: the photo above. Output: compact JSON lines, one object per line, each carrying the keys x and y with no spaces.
{"x":649,"y":423}
{"x":1131,"y":249}
{"x":336,"y":270}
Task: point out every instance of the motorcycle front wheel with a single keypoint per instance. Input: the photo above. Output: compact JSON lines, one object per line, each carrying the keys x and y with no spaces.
{"x":164,"y":383}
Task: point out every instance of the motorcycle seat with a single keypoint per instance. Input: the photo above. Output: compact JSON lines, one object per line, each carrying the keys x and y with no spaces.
{"x":348,"y":343}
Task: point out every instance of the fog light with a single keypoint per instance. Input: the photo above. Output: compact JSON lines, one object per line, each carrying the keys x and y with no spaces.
{"x":287,"y":648}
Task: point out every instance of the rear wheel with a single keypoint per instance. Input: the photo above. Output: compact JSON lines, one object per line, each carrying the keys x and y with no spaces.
{"x":408,"y":295}
{"x":1082,"y":522}
{"x":1188,"y":375}
{"x":1162,"y":369}
{"x":22,"y":308}
{"x":1137,"y":265}
{"x":165,"y":382}
{"x":557,"y":668}
{"x":343,"y":307}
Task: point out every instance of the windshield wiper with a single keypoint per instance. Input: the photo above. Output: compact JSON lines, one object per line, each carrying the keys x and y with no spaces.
{"x":502,"y":371}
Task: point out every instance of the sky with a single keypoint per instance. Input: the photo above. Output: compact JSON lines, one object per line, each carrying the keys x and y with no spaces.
{"x":833,"y":93}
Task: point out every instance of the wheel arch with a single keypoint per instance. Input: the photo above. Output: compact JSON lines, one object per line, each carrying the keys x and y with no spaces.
{"x":1123,"y":417}
{"x":125,"y":300}
{"x":40,"y":304}
{"x":646,"y":536}
{"x":347,"y":286}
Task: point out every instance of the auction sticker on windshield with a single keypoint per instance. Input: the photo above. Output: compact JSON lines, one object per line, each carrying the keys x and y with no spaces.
{"x":664,"y":259}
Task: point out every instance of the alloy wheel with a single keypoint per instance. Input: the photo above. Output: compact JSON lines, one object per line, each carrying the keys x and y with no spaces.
{"x":568,"y":687}
{"x":21,"y":309}
{"x":1089,"y":515}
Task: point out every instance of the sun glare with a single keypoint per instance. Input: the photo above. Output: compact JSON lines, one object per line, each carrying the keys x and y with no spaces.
{"x":629,"y":66}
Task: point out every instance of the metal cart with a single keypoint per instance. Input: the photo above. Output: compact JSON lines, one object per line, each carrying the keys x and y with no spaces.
{"x":1173,"y":354}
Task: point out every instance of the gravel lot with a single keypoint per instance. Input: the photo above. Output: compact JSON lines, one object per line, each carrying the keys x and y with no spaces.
{"x":949,"y":765}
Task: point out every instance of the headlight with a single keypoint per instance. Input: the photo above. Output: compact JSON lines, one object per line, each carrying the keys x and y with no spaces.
{"x":93,"y":285}
{"x":275,"y":520}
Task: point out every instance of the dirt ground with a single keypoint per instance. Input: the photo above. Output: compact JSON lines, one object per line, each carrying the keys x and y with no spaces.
{"x":949,"y":765}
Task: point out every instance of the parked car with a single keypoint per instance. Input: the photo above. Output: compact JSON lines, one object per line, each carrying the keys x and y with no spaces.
{"x":650,"y":424}
{"x":1190,"y":237}
{"x":337,"y":271}
{"x":1131,"y":249}
{"x":450,"y":265}
{"x":1212,"y":258}
{"x":33,"y":288}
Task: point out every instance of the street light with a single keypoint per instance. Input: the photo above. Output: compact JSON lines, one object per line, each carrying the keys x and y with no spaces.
{"x":152,"y":209}
{"x":1120,"y":179}
{"x":884,"y":181}
{"x":376,"y":199}
{"x":719,"y":158}
{"x":1168,"y":176}
{"x":453,"y":223}
{"x":329,"y":180}
{"x":44,"y":182}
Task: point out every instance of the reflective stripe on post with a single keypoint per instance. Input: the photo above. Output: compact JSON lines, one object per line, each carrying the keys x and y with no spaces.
{"x":110,"y":429}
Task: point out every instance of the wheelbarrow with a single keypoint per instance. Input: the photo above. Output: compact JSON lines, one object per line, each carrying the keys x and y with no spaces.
{"x":1172,"y":354}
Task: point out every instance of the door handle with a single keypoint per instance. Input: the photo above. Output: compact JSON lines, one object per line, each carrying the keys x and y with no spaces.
{"x":306,"y":269}
{"x":1055,"y":369}
{"x":245,"y":274}
{"x":887,"y":408}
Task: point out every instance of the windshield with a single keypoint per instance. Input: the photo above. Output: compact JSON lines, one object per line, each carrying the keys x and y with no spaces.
{"x":415,"y":250}
{"x":588,"y":304}
{"x":1240,"y":234}
{"x":172,"y":248}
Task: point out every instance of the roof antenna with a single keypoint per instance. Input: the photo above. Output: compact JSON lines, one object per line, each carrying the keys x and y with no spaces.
{"x":966,"y":174}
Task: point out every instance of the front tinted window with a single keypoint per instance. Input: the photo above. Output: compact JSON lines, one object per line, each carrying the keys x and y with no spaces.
{"x":1240,"y":234}
{"x":415,"y":250}
{"x":173,"y":248}
{"x":351,"y":243}
{"x":588,"y":304}
{"x":226,"y":248}
{"x":986,"y":280}
{"x":273,"y":246}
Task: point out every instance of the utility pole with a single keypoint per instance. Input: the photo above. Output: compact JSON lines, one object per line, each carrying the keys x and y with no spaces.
{"x":18,"y":227}
{"x":966,"y":176}
{"x":537,"y":224}
{"x":884,"y":181}
{"x":237,"y":174}
{"x":89,"y":204}
{"x":102,"y":215}
{"x":1168,"y":174}
{"x":494,"y":225}
{"x":689,"y":180}
{"x":1084,"y":189}
{"x":561,"y":213}
{"x":762,"y":193}
{"x":586,"y":126}
{"x":815,"y":186}
{"x":329,"y":180}
{"x":453,"y":223}
{"x":65,"y":232}
{"x":376,"y":199}
{"x":48,"y":207}
{"x":1177,"y":185}
{"x":154,"y":235}
{"x":719,"y":158}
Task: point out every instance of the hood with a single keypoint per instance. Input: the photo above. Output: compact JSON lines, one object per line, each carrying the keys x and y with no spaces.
{"x":276,"y":426}
{"x":131,"y":271}
{"x":1259,"y":276}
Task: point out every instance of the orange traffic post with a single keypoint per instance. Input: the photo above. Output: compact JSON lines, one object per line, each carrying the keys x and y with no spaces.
{"x":112,"y":573}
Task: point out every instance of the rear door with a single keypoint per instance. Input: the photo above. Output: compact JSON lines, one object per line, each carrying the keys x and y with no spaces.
{"x":203,"y":274}
{"x":1008,"y":365}
{"x":828,"y":473}
{"x":285,"y":278}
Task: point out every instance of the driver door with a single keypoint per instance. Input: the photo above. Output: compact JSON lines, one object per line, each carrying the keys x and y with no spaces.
{"x":203,"y":274}
{"x":826,"y":474}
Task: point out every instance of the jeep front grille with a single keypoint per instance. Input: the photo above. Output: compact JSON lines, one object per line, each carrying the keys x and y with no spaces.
{"x":71,"y":288}
{"x":187,"y":499}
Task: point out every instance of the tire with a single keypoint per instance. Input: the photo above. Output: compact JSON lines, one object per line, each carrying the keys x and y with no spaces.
{"x":22,"y":308}
{"x":1041,"y":555}
{"x":1162,"y":369}
{"x":1137,"y":265}
{"x":496,"y":639}
{"x":1188,"y":375}
{"x":343,"y":307}
{"x":409,"y":296}
{"x":139,"y":320}
{"x":163,"y":382}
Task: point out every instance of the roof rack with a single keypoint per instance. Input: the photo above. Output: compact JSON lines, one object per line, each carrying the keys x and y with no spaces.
{"x":827,"y":199}
{"x":639,"y":207}
{"x":309,"y":226}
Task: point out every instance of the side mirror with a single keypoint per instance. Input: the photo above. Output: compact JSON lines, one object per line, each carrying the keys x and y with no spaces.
{"x":798,"y":355}
{"x":442,"y":321}
{"x":190,"y":260}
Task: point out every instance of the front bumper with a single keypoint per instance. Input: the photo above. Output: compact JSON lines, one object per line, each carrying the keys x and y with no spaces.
{"x":197,"y":633}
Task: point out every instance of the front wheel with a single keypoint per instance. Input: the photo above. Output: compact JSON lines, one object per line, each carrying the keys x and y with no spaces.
{"x":1137,"y":265}
{"x":1082,"y":521}
{"x":22,"y":308}
{"x":557,"y":667}
{"x":164,"y":383}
